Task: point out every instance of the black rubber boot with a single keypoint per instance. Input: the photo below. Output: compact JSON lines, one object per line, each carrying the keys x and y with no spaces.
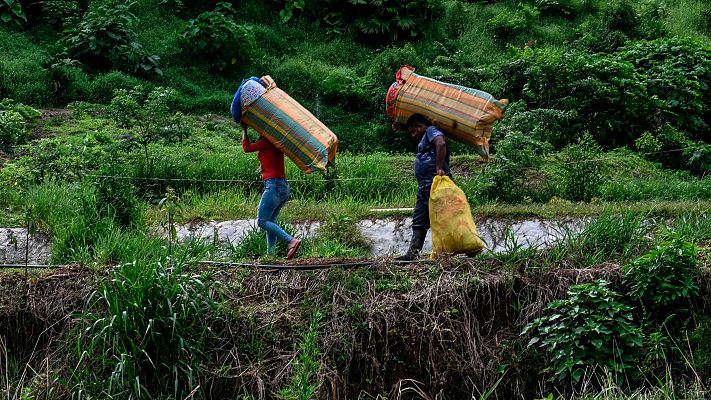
{"x":416,"y":243}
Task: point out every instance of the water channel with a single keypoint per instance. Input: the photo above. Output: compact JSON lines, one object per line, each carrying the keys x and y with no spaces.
{"x":389,"y":236}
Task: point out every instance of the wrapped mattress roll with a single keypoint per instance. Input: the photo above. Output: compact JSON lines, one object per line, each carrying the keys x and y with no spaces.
{"x":261,"y":105}
{"x":464,"y":114}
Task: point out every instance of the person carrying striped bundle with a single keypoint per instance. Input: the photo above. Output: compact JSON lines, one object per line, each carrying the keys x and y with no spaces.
{"x":432,"y":159}
{"x":276,"y":187}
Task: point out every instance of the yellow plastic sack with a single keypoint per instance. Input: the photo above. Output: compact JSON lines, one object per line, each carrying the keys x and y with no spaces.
{"x":453,"y":227}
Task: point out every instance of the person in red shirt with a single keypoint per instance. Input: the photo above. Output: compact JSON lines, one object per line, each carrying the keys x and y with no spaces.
{"x":276,"y":192}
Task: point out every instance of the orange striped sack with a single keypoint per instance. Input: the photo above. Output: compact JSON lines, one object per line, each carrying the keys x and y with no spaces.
{"x":291,"y":127}
{"x":464,"y":114}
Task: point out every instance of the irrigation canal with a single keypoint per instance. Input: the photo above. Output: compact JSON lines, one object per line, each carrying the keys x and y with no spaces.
{"x":389,"y":236}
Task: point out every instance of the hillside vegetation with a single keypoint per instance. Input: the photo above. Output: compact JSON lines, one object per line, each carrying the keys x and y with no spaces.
{"x":115,"y":127}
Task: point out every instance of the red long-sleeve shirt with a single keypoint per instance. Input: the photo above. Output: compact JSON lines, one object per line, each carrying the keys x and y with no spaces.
{"x":270,"y":158}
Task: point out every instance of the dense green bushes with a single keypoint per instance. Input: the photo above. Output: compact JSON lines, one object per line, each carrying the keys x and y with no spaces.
{"x":380,"y":20}
{"x":213,"y":38}
{"x":635,"y":324}
{"x":615,"y":97}
{"x":105,"y":39}
{"x":14,"y":118}
{"x":591,"y":329}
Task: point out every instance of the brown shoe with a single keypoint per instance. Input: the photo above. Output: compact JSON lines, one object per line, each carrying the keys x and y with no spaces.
{"x":293,"y":248}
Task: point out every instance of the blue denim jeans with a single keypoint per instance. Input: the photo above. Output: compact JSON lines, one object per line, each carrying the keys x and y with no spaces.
{"x":276,"y":193}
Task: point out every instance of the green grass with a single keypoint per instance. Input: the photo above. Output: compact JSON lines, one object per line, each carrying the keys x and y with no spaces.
{"x":144,"y":332}
{"x":685,"y":18}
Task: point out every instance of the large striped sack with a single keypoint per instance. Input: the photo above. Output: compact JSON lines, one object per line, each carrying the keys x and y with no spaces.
{"x":261,"y":105}
{"x":464,"y":114}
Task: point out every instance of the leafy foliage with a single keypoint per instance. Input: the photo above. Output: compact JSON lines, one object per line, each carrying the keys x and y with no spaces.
{"x":620,"y":96}
{"x":592,"y":328}
{"x":288,"y":11}
{"x":105,"y":39}
{"x":678,"y":72}
{"x":568,"y":9}
{"x":11,"y":13}
{"x":378,"y":19}
{"x":61,"y":13}
{"x":13,"y":123}
{"x":665,"y":276}
{"x":517,"y":155}
{"x":147,"y":117}
{"x":214,"y":37}
{"x":617,"y":23}
{"x":673,"y":149}
{"x":507,"y":24}
{"x":582,"y":176}
{"x":602,"y":94}
{"x":145,"y":331}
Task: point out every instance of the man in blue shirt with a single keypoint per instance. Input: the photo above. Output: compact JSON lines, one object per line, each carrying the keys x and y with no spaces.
{"x":432,"y":159}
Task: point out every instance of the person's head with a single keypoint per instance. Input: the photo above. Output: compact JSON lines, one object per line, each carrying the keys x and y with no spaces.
{"x":417,"y":125}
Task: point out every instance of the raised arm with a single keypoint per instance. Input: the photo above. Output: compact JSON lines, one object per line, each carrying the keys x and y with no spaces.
{"x":247,"y":146}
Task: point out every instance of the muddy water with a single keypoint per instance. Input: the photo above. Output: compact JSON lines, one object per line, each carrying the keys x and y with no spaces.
{"x":387,"y":236}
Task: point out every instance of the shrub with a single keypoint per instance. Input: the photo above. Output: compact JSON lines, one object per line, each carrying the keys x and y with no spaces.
{"x":11,"y":13}
{"x":147,"y":117}
{"x":61,"y":13}
{"x":675,"y":150}
{"x":560,"y":8}
{"x":601,"y":94}
{"x":581,"y":170}
{"x":544,"y":124}
{"x":380,"y":73}
{"x":213,"y":37}
{"x":516,"y":156}
{"x":104,"y":39}
{"x":592,"y":328}
{"x":664,"y":277}
{"x":102,"y":87}
{"x":12,"y":129}
{"x":116,"y":198}
{"x":677,"y":71}
{"x":71,"y":83}
{"x":60,"y":160}
{"x":379,"y":20}
{"x":13,"y":123}
{"x":508,"y":24}
{"x":617,"y":23}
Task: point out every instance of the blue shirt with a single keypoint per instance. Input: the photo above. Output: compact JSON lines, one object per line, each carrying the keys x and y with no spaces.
{"x":426,"y":158}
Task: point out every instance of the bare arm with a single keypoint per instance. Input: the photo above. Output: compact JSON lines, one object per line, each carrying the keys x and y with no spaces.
{"x":441,"y":153}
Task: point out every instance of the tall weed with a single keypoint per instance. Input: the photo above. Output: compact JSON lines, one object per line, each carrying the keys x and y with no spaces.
{"x":145,"y":333}
{"x":608,"y":237}
{"x":306,"y":365}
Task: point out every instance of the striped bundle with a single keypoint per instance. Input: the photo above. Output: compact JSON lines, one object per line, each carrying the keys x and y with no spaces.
{"x":286,"y":123}
{"x":464,"y":114}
